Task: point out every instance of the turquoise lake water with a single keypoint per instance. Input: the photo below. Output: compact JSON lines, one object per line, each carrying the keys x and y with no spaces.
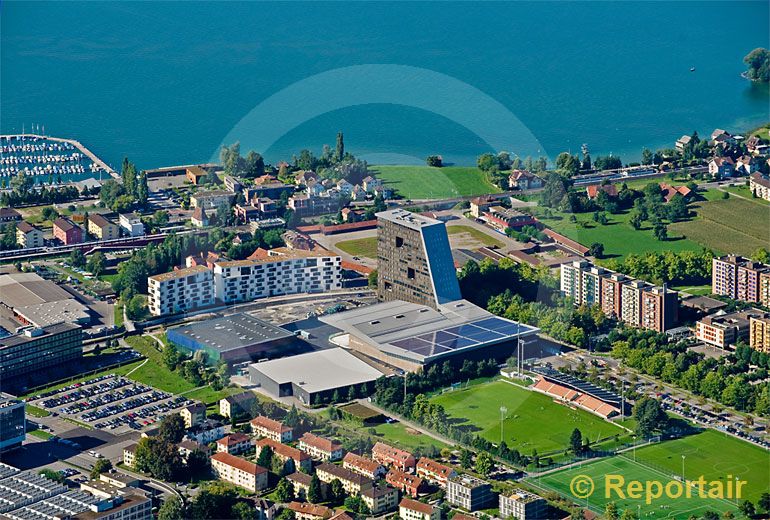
{"x":167,"y":83}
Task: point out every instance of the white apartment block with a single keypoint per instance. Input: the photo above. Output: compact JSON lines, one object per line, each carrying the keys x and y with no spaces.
{"x":239,"y":471}
{"x":631,"y":302}
{"x":28,"y":236}
{"x":590,"y":286}
{"x":180,"y":290}
{"x":277,"y":274}
{"x":571,"y":275}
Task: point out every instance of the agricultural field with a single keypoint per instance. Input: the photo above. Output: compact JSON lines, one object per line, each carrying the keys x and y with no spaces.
{"x":427,"y":182}
{"x":366,"y":247}
{"x":533,"y":421}
{"x":731,"y":225}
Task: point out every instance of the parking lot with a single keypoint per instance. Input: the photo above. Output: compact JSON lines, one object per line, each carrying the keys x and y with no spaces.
{"x":110,"y":403}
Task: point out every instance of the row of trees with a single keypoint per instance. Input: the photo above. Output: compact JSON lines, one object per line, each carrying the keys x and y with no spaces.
{"x":23,"y":192}
{"x":131,"y":192}
{"x":674,"y":267}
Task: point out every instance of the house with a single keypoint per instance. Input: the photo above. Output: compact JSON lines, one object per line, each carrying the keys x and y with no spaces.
{"x":129,"y":455}
{"x":683,"y":142}
{"x":721,"y":167}
{"x":206,"y":432}
{"x":195,"y":174}
{"x":480,"y":205}
{"x":409,"y":509}
{"x":391,"y":456}
{"x":293,"y":459}
{"x":524,"y":180}
{"x":669,"y":192}
{"x":363,"y":466}
{"x":352,"y":482}
{"x":266,"y":509}
{"x":237,"y":405}
{"x":303,"y":177}
{"x":308,"y":511}
{"x":234,"y":443}
{"x":193,"y":414}
{"x":320,"y":447}
{"x":434,"y":472}
{"x":746,"y":165}
{"x":28,"y":236}
{"x":301,"y":483}
{"x":344,"y":187}
{"x":272,"y":429}
{"x":315,"y":189}
{"x":66,"y":231}
{"x":406,"y":483}
{"x":593,"y":190}
{"x":101,"y":228}
{"x":370,"y":184}
{"x":722,"y":138}
{"x":380,"y":498}
{"x":8,"y":215}
{"x":199,"y":217}
{"x":759,"y":185}
{"x":239,"y":471}
{"x":185,"y":448}
{"x":358,"y":193}
{"x":385,"y":192}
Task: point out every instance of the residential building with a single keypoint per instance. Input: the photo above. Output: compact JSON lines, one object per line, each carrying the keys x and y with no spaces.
{"x":293,"y":459}
{"x":321,"y":448}
{"x":238,"y":405}
{"x":370,"y":183}
{"x":232,"y":184}
{"x":660,"y":309}
{"x":414,"y":260}
{"x":180,"y":290}
{"x":609,"y":189}
{"x":266,"y":509}
{"x":380,"y":498}
{"x":391,"y":456}
{"x":406,"y":483}
{"x":435,"y":472}
{"x":759,"y":333}
{"x":272,"y":429}
{"x":13,"y":424}
{"x":721,"y":167}
{"x":470,"y":493}
{"x":747,"y":283}
{"x":67,"y":232}
{"x":740,"y":278}
{"x":345,"y":187}
{"x":33,"y":350}
{"x":28,"y":236}
{"x":631,"y":301}
{"x":479,"y":205}
{"x":234,"y":443}
{"x":524,"y":180}
{"x":193,"y":414}
{"x":186,"y":447}
{"x":301,"y":483}
{"x":308,"y":511}
{"x":746,"y":165}
{"x":310,"y":206}
{"x":131,"y":224}
{"x":353,"y":483}
{"x":764,"y":289}
{"x":358,"y":193}
{"x":612,"y":294}
{"x":199,"y":217}
{"x":239,"y":471}
{"x":522,"y":505}
{"x":590,"y":286}
{"x":8,"y":215}
{"x":102,"y":228}
{"x":503,"y":219}
{"x":724,"y":275}
{"x":195,"y":174}
{"x":303,"y":177}
{"x":363,"y":466}
{"x":669,"y":192}
{"x":723,"y":329}
{"x":280,"y":272}
{"x":206,"y":432}
{"x":683,"y":142}
{"x":759,"y":185}
{"x":129,"y":455}
{"x":211,"y":199}
{"x":571,"y":276}
{"x":409,"y":509}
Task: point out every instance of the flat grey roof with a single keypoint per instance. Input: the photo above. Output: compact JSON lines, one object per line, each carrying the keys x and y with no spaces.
{"x":408,"y":219}
{"x":21,"y":338}
{"x":40,"y":301}
{"x":231,"y":332}
{"x":319,"y":371}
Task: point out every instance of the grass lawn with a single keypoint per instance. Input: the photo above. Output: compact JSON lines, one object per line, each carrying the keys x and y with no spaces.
{"x":408,"y":439}
{"x":762,"y":131}
{"x":728,"y":225}
{"x":34,"y":411}
{"x":154,"y":373}
{"x":744,"y":191}
{"x":533,"y":420}
{"x":40,"y":434}
{"x":117,"y":310}
{"x":618,"y":237}
{"x":426,"y":182}
{"x":664,"y":507}
{"x":475,"y":234}
{"x":366,"y":247}
{"x":697,"y":290}
{"x":211,"y":397}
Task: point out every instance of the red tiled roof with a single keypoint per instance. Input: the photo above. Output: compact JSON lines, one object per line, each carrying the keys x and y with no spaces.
{"x":283,"y":449}
{"x":391,"y":452}
{"x":434,"y":467}
{"x":415,"y":505}
{"x":306,"y":508}
{"x":609,"y":189}
{"x":233,"y":439}
{"x":320,"y":443}
{"x":557,"y":237}
{"x":363,"y":463}
{"x":270,"y":424}
{"x":239,"y":463}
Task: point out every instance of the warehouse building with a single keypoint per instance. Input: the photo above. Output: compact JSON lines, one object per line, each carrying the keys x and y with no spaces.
{"x":234,"y":339}
{"x":27,"y":299}
{"x":314,"y":377}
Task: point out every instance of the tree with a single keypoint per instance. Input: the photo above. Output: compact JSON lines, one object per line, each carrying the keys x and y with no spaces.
{"x":761,"y":255}
{"x":136,"y":308}
{"x":337,"y":490}
{"x":434,"y":160}
{"x":96,"y":263}
{"x":198,"y":463}
{"x":596,"y":250}
{"x":372,"y":279}
{"x":628,"y":514}
{"x":245,"y":511}
{"x":77,"y":258}
{"x":171,"y":357}
{"x":646,"y":156}
{"x":286,"y":514}
{"x":172,"y":428}
{"x":314,"y":493}
{"x":142,"y":189}
{"x":284,"y":491}
{"x":265,"y":457}
{"x":100,"y":466}
{"x":611,"y":511}
{"x":466,"y":458}
{"x":649,"y":416}
{"x":487,"y":162}
{"x":484,"y":463}
{"x":339,"y":149}
{"x":254,"y":164}
{"x":661,"y":232}
{"x":568,"y":164}
{"x":764,"y":502}
{"x":171,"y":509}
{"x":576,"y":441}
{"x":747,"y":508}
{"x":49,"y":213}
{"x":758,"y":63}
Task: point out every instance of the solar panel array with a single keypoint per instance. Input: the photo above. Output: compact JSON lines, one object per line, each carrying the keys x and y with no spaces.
{"x":460,"y":336}
{"x":578,"y":384}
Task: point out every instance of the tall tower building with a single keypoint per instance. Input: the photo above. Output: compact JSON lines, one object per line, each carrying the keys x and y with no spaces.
{"x":414,"y":260}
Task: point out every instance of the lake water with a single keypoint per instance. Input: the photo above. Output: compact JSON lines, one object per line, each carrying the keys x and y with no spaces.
{"x":167,"y":83}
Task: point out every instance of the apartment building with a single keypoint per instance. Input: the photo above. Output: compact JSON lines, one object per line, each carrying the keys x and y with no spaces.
{"x":180,"y":290}
{"x":237,"y":405}
{"x":391,"y":456}
{"x":352,"y":482}
{"x":33,"y":350}
{"x":280,"y":272}
{"x":724,"y":329}
{"x":129,"y":455}
{"x":571,"y":280}
{"x":131,"y":224}
{"x":185,"y":448}
{"x":293,"y":459}
{"x":28,"y":236}
{"x":272,"y":429}
{"x":67,"y":232}
{"x":659,"y":309}
{"x":301,"y":483}
{"x":764,"y":289}
{"x":759,"y":185}
{"x":612,"y":294}
{"x":102,"y":228}
{"x":206,"y":432}
{"x":239,"y":471}
{"x":234,"y":443}
{"x":8,"y":215}
{"x":13,"y":424}
{"x":724,"y":275}
{"x":193,"y":414}
{"x":380,"y":498}
{"x":522,"y":505}
{"x":631,"y":301}
{"x":470,"y":493}
{"x":321,"y":448}
{"x":363,"y":466}
{"x":747,"y":283}
{"x":308,"y":511}
{"x":590,"y":286}
{"x":434,"y":472}
{"x":414,"y":260}
{"x":211,"y":199}
{"x":759,"y":333}
{"x":409,"y":509}
{"x":407,"y":483}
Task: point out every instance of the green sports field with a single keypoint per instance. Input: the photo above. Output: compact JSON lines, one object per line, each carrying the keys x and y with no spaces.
{"x":366,"y":247}
{"x":533,"y":421}
{"x":427,"y":182}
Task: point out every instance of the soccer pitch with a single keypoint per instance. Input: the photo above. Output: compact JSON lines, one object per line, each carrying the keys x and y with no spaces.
{"x":532,"y":421}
